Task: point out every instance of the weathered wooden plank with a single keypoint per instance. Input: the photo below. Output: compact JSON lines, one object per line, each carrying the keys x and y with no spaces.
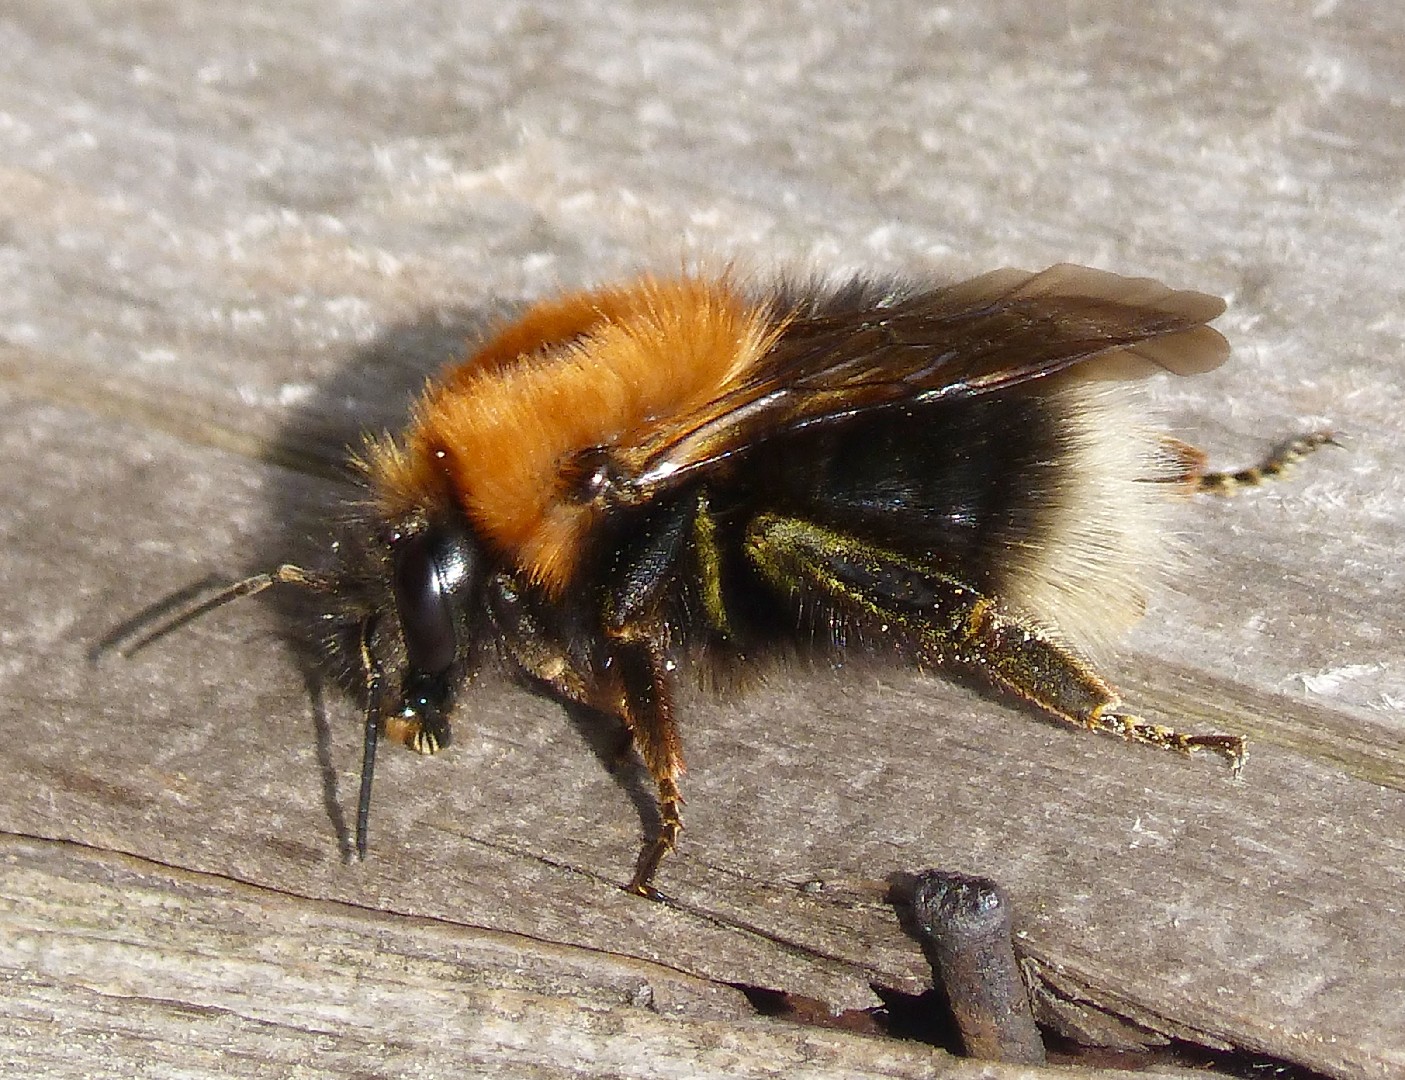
{"x":205,"y":752}
{"x":113,"y":966}
{"x":227,"y":250}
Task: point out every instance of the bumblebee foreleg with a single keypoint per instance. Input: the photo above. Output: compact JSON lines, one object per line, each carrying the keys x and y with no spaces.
{"x":942,"y":620}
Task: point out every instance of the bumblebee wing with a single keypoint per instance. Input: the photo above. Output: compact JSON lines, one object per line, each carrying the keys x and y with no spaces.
{"x":1005,"y":327}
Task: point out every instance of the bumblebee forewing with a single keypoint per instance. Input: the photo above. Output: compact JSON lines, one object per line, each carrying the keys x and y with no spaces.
{"x":1004,"y":328}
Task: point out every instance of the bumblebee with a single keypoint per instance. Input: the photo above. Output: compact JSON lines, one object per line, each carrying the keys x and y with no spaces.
{"x":681,"y":472}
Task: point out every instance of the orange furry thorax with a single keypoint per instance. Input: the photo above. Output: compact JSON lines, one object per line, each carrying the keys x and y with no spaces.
{"x":603,"y":370}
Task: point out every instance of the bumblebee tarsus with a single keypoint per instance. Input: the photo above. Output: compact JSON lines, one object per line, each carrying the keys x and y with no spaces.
{"x":1233,"y":748}
{"x":945,"y":621}
{"x":670,"y":825}
{"x":1279,"y":461}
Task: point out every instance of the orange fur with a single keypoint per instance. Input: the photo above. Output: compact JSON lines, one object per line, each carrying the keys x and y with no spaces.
{"x":544,"y":325}
{"x":593,"y":370}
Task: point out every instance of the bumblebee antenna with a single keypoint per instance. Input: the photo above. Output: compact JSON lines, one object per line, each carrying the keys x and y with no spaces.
{"x":181,"y":607}
{"x":371,"y":670}
{"x":185,"y":605}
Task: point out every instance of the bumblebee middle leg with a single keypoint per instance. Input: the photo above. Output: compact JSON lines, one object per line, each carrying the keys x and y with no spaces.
{"x":631,"y":682}
{"x":646,"y":704}
{"x":942,"y":620}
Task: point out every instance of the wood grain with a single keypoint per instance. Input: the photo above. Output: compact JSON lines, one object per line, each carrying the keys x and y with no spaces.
{"x":230,"y":240}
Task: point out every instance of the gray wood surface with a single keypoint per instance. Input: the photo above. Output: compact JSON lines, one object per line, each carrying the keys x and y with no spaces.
{"x":233,"y":235}
{"x":113,"y":966}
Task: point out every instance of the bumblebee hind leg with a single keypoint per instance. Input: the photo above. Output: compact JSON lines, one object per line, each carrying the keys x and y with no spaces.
{"x":940,"y":620}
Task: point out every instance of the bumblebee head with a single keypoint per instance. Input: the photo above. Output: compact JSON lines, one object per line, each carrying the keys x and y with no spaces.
{"x":399,"y":614}
{"x":395,"y":614}
{"x":435,"y":573}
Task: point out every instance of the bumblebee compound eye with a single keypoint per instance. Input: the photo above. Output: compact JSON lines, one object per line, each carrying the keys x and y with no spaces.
{"x":432,"y":577}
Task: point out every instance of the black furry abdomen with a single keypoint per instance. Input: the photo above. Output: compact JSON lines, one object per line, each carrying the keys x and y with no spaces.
{"x":965,"y":485}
